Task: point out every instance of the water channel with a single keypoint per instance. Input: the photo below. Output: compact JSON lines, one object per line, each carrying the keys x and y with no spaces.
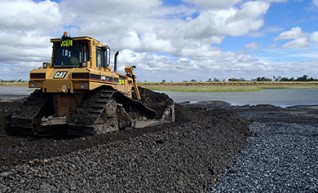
{"x":278,"y":97}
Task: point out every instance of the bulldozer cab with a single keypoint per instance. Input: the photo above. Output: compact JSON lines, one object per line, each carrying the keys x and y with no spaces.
{"x":79,"y":52}
{"x":70,"y":55}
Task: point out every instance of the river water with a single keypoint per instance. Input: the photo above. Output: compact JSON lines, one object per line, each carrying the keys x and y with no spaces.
{"x":278,"y":97}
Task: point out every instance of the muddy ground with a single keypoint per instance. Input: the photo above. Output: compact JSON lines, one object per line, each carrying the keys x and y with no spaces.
{"x":195,"y":150}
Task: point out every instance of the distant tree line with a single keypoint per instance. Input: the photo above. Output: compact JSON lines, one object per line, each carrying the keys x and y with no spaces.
{"x":302,"y":78}
{"x":278,"y":78}
{"x":236,"y":79}
{"x":275,"y":78}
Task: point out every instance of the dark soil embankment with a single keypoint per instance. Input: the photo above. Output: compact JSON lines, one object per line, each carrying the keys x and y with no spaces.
{"x":183,"y":156}
{"x":154,"y":100}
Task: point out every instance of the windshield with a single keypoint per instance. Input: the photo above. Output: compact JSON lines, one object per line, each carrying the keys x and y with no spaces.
{"x":71,"y":55}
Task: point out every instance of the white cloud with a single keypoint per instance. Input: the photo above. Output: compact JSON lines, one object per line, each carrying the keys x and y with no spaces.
{"x":109,"y":7}
{"x":25,"y":29}
{"x":147,"y":29}
{"x":232,"y":21}
{"x":26,"y":14}
{"x":148,"y":41}
{"x":202,"y":51}
{"x":297,"y":38}
{"x":203,"y":4}
{"x":253,"y":10}
{"x":314,"y":37}
{"x":253,"y":46}
{"x":165,"y":42}
{"x":23,"y":39}
{"x":131,"y":40}
{"x":315,"y":2}
{"x":296,"y":43}
{"x":22,"y":51}
{"x":294,"y":33}
{"x":152,"y":43}
{"x":275,"y":1}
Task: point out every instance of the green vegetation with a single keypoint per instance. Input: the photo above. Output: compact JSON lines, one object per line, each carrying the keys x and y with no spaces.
{"x":234,"y":84}
{"x":14,"y":83}
{"x":237,"y":86}
{"x":200,"y":88}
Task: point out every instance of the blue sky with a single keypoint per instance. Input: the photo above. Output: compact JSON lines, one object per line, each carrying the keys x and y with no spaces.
{"x":172,"y":40}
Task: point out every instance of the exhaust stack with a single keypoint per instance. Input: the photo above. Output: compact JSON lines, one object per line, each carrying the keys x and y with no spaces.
{"x":115,"y":61}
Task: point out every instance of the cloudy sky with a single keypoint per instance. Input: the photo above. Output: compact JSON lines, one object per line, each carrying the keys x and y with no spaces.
{"x":172,"y":40}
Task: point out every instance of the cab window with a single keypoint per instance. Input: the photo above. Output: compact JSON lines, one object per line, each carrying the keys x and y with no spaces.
{"x":99,"y":58}
{"x":70,"y":56}
{"x":102,"y":57}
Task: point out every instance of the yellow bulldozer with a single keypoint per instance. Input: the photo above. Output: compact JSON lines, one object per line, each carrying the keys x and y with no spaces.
{"x":79,"y":92}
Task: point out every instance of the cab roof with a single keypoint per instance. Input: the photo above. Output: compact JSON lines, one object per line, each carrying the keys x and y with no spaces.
{"x":87,"y":38}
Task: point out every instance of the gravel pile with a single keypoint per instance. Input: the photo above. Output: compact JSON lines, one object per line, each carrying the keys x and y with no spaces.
{"x":281,"y":157}
{"x":189,"y":155}
{"x":186,"y":156}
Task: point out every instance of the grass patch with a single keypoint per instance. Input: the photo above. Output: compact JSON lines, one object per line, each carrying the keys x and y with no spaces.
{"x":203,"y":88}
{"x":245,"y":86}
{"x":16,"y":84}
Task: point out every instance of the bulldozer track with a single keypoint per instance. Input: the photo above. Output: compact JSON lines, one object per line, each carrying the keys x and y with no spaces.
{"x":101,"y":111}
{"x":89,"y":118}
{"x":25,"y":118}
{"x":105,"y":110}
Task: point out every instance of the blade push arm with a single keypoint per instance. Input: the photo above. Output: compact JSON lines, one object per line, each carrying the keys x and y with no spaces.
{"x":130,"y":72}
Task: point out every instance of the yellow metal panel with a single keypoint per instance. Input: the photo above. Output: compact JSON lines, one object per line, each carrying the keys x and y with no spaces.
{"x":63,"y":73}
{"x":58,"y":86}
{"x":94,"y":85}
{"x":39,"y":70}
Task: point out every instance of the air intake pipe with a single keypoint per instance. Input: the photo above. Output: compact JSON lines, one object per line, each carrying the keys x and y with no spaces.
{"x":115,"y":61}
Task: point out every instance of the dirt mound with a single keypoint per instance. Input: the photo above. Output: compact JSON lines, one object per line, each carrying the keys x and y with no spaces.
{"x":183,"y":156}
{"x":154,"y":100}
{"x":6,"y":109}
{"x":189,"y":153}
